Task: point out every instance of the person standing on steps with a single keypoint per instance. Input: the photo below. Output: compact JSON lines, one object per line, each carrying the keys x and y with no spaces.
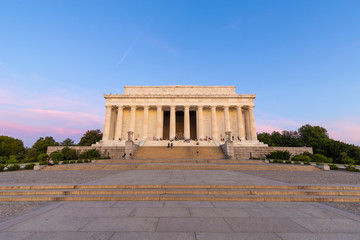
{"x":171,"y":145}
{"x":168,"y":144}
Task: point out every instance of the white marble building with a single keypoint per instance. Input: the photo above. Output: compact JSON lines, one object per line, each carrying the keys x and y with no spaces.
{"x":185,"y":112}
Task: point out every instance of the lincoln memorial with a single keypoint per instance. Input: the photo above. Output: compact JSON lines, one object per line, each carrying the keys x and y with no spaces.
{"x":145,"y":119}
{"x":179,"y":112}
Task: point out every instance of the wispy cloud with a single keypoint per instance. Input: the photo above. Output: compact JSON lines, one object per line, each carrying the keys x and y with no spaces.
{"x":127,"y":51}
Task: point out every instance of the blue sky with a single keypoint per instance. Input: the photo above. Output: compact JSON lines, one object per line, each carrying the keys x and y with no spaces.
{"x":57,"y":58}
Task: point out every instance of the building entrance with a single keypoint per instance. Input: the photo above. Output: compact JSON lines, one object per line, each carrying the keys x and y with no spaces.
{"x":179,"y":126}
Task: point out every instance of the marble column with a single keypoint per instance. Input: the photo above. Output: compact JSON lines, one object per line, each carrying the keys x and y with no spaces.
{"x":227,"y":119}
{"x":186,"y":122}
{"x":200,"y":134}
{"x":247,"y":124}
{"x":172,"y":122}
{"x":240,"y":123}
{"x":118,"y":129}
{"x":107,"y":124}
{"x":145,"y":123}
{"x":252,"y":123}
{"x":132,"y":119}
{"x":214,"y":130}
{"x":159,"y":122}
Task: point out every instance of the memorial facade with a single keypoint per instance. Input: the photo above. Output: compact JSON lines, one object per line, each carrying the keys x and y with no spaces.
{"x":215,"y":116}
{"x":183,"y":112}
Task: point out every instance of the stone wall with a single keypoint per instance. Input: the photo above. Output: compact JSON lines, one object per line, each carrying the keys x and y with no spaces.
{"x":259,"y":152}
{"x":113,"y":152}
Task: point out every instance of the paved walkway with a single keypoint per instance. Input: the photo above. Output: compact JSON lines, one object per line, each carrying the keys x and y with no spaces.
{"x":183,"y":177}
{"x":183,"y":220}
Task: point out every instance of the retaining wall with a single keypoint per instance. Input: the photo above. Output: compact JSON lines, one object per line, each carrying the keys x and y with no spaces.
{"x":259,"y":152}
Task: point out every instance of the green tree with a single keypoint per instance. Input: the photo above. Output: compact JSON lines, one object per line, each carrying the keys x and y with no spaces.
{"x":67,"y":142}
{"x":69,"y":154}
{"x":57,"y":156}
{"x":43,"y":157}
{"x":314,"y":136}
{"x":93,"y":153}
{"x":90,"y":137}
{"x":10,"y":146}
{"x":31,"y":154}
{"x":42,"y":143}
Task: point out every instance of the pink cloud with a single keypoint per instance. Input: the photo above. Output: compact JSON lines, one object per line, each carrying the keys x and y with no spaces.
{"x":345,"y":131}
{"x":73,"y":117}
{"x":267,"y":128}
{"x":27,"y":129}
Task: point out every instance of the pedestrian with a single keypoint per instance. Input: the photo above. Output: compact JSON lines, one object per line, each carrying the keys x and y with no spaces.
{"x":51,"y":162}
{"x":168,"y":145}
{"x":171,"y":145}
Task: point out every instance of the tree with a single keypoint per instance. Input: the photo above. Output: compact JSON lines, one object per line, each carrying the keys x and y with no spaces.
{"x":31,"y":154}
{"x":67,"y":142}
{"x":314,"y":136}
{"x":42,"y":143}
{"x":90,"y":137}
{"x":68,"y":153}
{"x":10,"y":146}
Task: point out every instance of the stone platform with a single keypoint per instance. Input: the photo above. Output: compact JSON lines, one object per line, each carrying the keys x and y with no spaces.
{"x":171,"y":218}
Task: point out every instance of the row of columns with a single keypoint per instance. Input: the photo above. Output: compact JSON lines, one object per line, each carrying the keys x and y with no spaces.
{"x":249,"y":118}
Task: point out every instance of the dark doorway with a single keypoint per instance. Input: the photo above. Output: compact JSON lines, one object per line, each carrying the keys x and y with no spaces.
{"x":193,"y":125}
{"x":179,"y":124}
{"x":166,"y":125}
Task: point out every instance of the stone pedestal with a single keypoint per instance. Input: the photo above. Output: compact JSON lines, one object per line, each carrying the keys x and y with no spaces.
{"x":228,"y":149}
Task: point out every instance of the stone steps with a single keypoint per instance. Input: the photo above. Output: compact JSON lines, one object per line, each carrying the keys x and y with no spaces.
{"x":146,"y":152}
{"x":185,"y":166}
{"x":289,"y":193}
{"x":218,"y":161}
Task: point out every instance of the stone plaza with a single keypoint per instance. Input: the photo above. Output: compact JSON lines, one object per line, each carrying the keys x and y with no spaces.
{"x":208,"y":186}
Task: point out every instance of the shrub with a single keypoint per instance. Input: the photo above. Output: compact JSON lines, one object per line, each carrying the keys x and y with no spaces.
{"x":310,"y":155}
{"x":333,"y":167}
{"x":43,"y":163}
{"x":284,"y":155}
{"x":72,"y":161}
{"x":13,"y":167}
{"x":288,"y":162}
{"x":296,"y":162}
{"x":301,"y":157}
{"x":79,"y":161}
{"x":2,"y":166}
{"x":86,"y":160}
{"x":56,"y":161}
{"x":65,"y":162}
{"x":93,"y":153}
{"x":306,"y":163}
{"x":3,"y":160}
{"x":12,"y":159}
{"x":43,"y":157}
{"x":329,"y":160}
{"x":57,"y":156}
{"x":348,"y":160}
{"x":69,"y":154}
{"x":30,"y":166}
{"x":351,"y":168}
{"x":319,"y":158}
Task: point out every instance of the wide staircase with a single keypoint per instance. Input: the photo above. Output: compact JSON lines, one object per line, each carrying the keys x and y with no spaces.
{"x":249,"y":193}
{"x":182,"y":164}
{"x":177,"y":152}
